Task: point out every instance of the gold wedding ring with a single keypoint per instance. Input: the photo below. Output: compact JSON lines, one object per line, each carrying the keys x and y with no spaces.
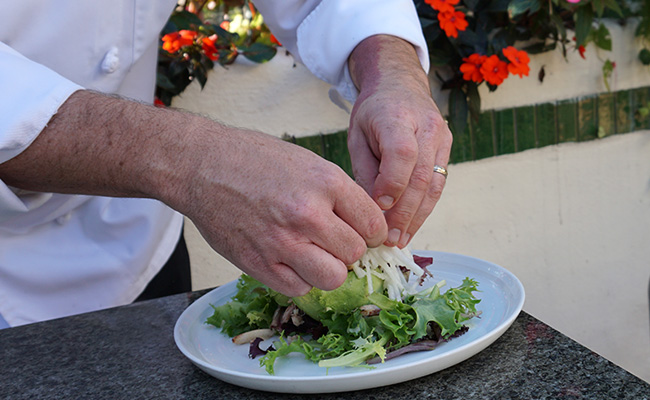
{"x":441,"y":170}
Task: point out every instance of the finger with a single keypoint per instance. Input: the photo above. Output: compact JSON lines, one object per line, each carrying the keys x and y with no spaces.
{"x":316,"y":266}
{"x":426,"y":207}
{"x":399,"y":155}
{"x":365,"y":165}
{"x":281,"y":278}
{"x":361,"y":213}
{"x":400,"y":216}
{"x":336,"y":236}
{"x":429,"y":200}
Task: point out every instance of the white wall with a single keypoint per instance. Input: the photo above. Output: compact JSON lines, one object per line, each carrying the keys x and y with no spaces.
{"x":572,"y":221}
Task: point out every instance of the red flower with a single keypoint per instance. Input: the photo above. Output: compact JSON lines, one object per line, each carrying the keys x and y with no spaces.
{"x":452,"y":22}
{"x":494,"y":70}
{"x":275,"y":40}
{"x":172,"y":42}
{"x":471,"y":68}
{"x":442,"y":5}
{"x":210,"y":50}
{"x":581,"y":50}
{"x":518,"y":61}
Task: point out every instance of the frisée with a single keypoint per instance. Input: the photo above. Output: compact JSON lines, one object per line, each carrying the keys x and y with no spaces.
{"x":380,"y":312}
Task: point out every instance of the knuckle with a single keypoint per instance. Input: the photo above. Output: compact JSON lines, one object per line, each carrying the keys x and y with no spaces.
{"x":376,"y":230}
{"x":421,"y":179}
{"x":401,"y":216}
{"x":357,"y":249}
{"x":435,"y":190}
{"x":406,"y":149}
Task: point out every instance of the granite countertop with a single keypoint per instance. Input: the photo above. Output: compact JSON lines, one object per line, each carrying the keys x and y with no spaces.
{"x":129,"y":353}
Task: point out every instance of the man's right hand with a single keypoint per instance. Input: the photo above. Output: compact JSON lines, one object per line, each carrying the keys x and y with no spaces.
{"x":277,"y":211}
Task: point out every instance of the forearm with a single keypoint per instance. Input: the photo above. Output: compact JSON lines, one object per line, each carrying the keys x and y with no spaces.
{"x":384,"y":59}
{"x":103,"y":145}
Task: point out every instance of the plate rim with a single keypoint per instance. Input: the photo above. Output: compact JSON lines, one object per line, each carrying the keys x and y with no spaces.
{"x":347,"y":382}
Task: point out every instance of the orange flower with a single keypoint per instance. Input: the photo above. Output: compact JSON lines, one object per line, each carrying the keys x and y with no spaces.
{"x":471,"y":68}
{"x":442,"y":5}
{"x":452,"y":22}
{"x":210,"y":50}
{"x":172,"y":42}
{"x":494,"y":70}
{"x":518,"y":61}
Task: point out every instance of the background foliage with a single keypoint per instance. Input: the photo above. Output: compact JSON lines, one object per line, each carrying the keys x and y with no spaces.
{"x":462,"y":35}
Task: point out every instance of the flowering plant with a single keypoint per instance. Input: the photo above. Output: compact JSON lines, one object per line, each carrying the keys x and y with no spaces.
{"x":472,"y":42}
{"x":199,"y":34}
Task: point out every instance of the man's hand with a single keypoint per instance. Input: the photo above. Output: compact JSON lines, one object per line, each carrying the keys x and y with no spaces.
{"x":396,"y":134}
{"x":277,"y":211}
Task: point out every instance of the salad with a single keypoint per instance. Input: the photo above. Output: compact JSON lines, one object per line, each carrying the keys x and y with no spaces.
{"x":380,"y":312}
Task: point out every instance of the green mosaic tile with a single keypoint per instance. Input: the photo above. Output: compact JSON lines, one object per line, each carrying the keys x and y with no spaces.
{"x":336,"y":150}
{"x":525,"y":131}
{"x":624,"y":113}
{"x":567,"y":121}
{"x":517,"y":129}
{"x":461,"y":147}
{"x":483,"y":135}
{"x":640,"y":99}
{"x":587,"y":119}
{"x":606,"y":114}
{"x":504,"y":127}
{"x":313,"y":143}
{"x":545,"y":123}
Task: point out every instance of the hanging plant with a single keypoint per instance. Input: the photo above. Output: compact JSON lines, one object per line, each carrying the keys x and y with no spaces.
{"x":202,"y":33}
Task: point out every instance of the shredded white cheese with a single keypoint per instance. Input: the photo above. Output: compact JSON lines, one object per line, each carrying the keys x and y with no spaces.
{"x":384,"y":262}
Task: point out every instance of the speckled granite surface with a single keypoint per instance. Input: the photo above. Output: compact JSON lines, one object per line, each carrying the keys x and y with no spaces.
{"x":129,"y":353}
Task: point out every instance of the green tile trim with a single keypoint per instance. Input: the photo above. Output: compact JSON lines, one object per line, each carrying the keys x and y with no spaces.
{"x":606,"y":111}
{"x":313,"y":143}
{"x":587,"y":119}
{"x":512,"y":130}
{"x":335,"y":148}
{"x":545,"y":125}
{"x":504,"y":127}
{"x":567,"y":121}
{"x":525,"y":128}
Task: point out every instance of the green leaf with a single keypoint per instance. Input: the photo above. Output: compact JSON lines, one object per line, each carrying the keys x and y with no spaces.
{"x":602,"y":38}
{"x":185,"y":20}
{"x":614,"y":6}
{"x":439,"y":57}
{"x":259,"y":52}
{"x":458,"y":110}
{"x":598,"y":7}
{"x":252,"y":307}
{"x":584,"y":20}
{"x":519,"y":7}
{"x":434,"y":310}
{"x":644,"y":56}
{"x":473,"y":101}
{"x":559,"y":25}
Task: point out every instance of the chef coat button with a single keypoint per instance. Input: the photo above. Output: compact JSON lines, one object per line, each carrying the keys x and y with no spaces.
{"x":63,"y":218}
{"x":111,"y":61}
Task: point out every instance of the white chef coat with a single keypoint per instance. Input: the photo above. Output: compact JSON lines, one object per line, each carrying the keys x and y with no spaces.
{"x":67,"y":254}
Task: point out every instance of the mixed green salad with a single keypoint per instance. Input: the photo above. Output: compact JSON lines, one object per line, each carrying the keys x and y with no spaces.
{"x":380,"y":312}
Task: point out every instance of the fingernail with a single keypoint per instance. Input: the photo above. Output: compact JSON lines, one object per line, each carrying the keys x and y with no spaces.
{"x":393,"y":235}
{"x":405,"y":240}
{"x":385,"y":201}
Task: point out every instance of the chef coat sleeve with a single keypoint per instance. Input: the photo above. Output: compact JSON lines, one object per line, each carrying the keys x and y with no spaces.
{"x":31,"y":94}
{"x":323,"y":34}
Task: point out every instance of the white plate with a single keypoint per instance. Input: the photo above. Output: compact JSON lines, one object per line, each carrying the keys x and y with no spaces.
{"x":501,"y":294}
